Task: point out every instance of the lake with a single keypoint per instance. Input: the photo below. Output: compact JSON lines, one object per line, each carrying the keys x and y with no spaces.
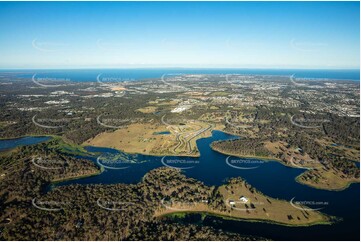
{"x":270,"y":177}
{"x":6,"y":144}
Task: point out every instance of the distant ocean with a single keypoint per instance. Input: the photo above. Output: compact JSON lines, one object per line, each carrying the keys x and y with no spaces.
{"x":84,"y":75}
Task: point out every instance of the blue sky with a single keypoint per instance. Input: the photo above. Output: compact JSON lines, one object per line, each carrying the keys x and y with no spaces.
{"x":179,"y":34}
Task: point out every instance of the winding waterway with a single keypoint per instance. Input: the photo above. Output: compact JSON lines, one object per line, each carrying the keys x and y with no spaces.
{"x":270,"y":177}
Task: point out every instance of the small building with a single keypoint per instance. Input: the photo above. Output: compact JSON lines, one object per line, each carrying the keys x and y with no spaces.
{"x":243,"y":199}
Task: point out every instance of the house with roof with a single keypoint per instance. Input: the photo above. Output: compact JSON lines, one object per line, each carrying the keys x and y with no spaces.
{"x":243,"y":199}
{"x":232,"y":202}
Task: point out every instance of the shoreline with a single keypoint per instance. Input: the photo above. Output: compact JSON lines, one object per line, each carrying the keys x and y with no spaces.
{"x":159,"y":155}
{"x":348,"y":184}
{"x":140,"y":153}
{"x":225,"y":217}
{"x":267,"y":159}
{"x":76,"y":177}
{"x":83,"y":151}
{"x":326,"y":222}
{"x":53,"y":183}
{"x":240,"y":70}
{"x":28,"y":136}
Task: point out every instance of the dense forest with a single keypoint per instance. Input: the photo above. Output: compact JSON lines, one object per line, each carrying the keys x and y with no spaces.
{"x":30,"y":211}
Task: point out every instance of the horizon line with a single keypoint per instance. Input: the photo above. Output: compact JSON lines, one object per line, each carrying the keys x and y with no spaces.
{"x":180,"y":67}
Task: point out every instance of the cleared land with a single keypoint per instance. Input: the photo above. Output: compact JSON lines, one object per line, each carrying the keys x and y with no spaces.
{"x":258,"y":207}
{"x":326,"y":179}
{"x":145,"y":138}
{"x":149,"y":109}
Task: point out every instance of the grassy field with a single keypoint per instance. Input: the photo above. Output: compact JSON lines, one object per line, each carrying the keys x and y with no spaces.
{"x":143,"y":139}
{"x":149,"y":109}
{"x":258,"y":208}
{"x":327,"y":180}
